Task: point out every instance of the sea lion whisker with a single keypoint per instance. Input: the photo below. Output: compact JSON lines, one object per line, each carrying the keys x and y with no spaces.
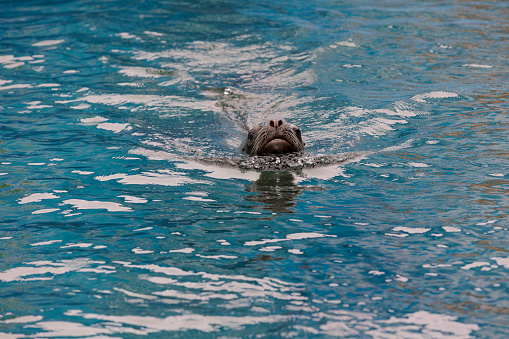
{"x":273,"y":137}
{"x":260,"y":139}
{"x":293,"y":138}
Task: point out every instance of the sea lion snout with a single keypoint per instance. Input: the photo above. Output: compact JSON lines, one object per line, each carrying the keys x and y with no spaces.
{"x":275,"y":137}
{"x":275,"y":123}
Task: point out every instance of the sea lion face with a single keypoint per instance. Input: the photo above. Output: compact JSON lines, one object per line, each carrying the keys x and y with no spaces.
{"x":273,"y":137}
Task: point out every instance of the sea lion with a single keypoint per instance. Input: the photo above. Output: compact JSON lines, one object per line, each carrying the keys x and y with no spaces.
{"x":275,"y":137}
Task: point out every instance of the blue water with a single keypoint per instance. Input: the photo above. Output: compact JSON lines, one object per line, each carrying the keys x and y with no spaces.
{"x":110,"y":229}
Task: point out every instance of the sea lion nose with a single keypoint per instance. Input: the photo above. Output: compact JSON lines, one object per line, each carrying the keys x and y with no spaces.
{"x":276,"y":123}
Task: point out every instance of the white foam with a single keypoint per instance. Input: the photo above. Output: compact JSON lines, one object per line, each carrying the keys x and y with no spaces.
{"x":135,"y":295}
{"x":404,"y":145}
{"x":188,"y":322}
{"x":436,"y":265}
{"x":401,"y":278}
{"x":418,"y":164}
{"x":451,"y":229}
{"x":295,"y":251}
{"x":14,"y":64}
{"x":47,"y":43}
{"x":294,"y":236}
{"x":379,"y":126}
{"x":43,"y":243}
{"x":143,"y":229}
{"x":81,"y":106}
{"x":191,"y":198}
{"x":114,"y":127}
{"x":190,"y":296}
{"x":109,"y":126}
{"x":82,"y":172}
{"x":183,"y":250}
{"x":87,"y":204}
{"x":66,"y":329}
{"x":22,"y":320}
{"x":501,"y":261}
{"x":477,"y":66}
{"x":94,"y":120}
{"x":243,"y":286}
{"x":434,"y":95}
{"x":217,"y":256}
{"x":41,"y":269}
{"x":324,"y":172}
{"x":6,"y":59}
{"x":37,"y":197}
{"x":402,"y":235}
{"x":153,"y":33}
{"x":125,"y":35}
{"x":198,"y":193}
{"x":131,"y":84}
{"x":411,"y":230}
{"x":141,"y":72}
{"x":423,"y":324}
{"x":152,"y":101}
{"x":99,"y":269}
{"x":217,"y":56}
{"x":487,"y":222}
{"x":347,"y":43}
{"x":111,"y":177}
{"x":36,"y":105}
{"x":46,"y":210}
{"x":138,"y":250}
{"x":10,"y":61}
{"x":16,"y":86}
{"x":269,"y":248}
{"x":79,"y":245}
{"x":401,"y":109}
{"x":376,"y":165}
{"x":475,"y":264}
{"x":217,"y":171}
{"x":150,"y":178}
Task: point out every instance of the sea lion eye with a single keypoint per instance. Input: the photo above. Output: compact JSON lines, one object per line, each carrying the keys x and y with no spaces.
{"x":297,"y":132}
{"x":250,"y":139}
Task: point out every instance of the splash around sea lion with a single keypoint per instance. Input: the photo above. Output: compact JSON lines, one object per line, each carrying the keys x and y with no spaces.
{"x":274,"y":146}
{"x":275,"y":137}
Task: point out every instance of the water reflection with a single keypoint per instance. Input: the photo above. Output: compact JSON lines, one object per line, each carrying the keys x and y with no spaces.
{"x":277,"y":190}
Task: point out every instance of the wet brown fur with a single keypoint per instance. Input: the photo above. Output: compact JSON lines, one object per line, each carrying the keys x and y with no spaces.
{"x":275,"y":137}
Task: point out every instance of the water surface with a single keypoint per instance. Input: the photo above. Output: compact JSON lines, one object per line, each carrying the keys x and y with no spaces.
{"x":109,"y":230}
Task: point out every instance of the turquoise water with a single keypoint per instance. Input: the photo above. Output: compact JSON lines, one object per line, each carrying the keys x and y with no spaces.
{"x":110,"y":229}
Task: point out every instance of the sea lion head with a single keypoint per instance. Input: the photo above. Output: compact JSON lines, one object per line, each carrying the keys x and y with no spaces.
{"x":274,"y":137}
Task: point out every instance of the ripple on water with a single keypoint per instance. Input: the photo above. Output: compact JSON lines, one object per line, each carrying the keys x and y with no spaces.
{"x":129,"y":210}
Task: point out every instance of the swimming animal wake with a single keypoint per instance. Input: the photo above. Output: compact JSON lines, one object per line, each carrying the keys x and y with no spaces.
{"x":277,"y":146}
